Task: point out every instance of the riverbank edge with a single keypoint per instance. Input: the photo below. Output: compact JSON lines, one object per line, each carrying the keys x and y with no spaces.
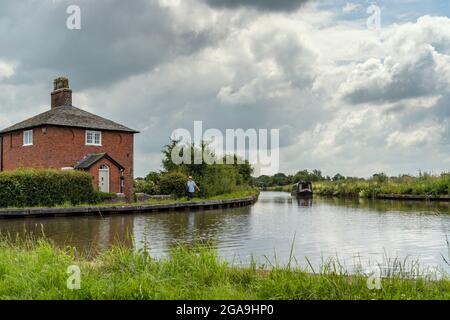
{"x":126,"y":209}
{"x":193,"y":273}
{"x":399,"y":197}
{"x":411,"y":197}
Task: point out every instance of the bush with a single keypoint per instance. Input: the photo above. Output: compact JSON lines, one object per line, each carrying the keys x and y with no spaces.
{"x":147,"y":187}
{"x":218,"y":179}
{"x":102,"y":197}
{"x":173,"y":183}
{"x":38,"y":187}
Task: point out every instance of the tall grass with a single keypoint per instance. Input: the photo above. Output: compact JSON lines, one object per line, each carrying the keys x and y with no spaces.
{"x":37,"y":270}
{"x":424,"y":184}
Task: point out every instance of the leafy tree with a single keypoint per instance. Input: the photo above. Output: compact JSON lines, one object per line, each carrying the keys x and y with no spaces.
{"x":338,"y":177}
{"x":213,"y":176}
{"x":153,"y":176}
{"x":380,"y":177}
{"x":173,"y":183}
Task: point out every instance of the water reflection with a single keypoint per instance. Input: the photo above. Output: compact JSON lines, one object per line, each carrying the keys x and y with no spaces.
{"x":305,"y":202}
{"x":355,"y":230}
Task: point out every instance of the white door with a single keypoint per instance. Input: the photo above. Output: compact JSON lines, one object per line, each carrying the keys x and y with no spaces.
{"x":103,"y":178}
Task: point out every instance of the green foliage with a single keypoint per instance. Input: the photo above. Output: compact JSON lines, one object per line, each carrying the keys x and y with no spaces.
{"x":218,"y":179}
{"x":305,"y":175}
{"x":424,"y":184}
{"x":147,"y":187}
{"x":214,"y":177}
{"x":38,"y":270}
{"x":380,"y":183}
{"x":35,"y":187}
{"x":153,"y":176}
{"x":103,"y":197}
{"x":173,"y":183}
{"x":281,"y":179}
{"x":338,"y":177}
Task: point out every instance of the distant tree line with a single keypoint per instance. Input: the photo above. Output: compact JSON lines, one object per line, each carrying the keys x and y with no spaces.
{"x":281,"y":179}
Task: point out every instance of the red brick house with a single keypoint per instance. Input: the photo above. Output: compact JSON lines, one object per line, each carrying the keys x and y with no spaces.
{"x":66,"y":137}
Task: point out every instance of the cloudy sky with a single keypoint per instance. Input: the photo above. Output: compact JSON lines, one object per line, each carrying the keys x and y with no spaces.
{"x":347,"y":98}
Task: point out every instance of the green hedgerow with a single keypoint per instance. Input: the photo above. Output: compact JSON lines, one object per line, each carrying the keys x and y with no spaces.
{"x":45,"y":187}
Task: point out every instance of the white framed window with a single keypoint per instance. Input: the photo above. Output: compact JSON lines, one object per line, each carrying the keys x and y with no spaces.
{"x":93,"y":138}
{"x":28,"y":138}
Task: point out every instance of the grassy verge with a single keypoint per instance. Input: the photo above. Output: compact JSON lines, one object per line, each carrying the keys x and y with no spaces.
{"x":244,"y":193}
{"x":38,"y":270}
{"x":234,"y":195}
{"x":280,"y":188}
{"x":425,"y":184}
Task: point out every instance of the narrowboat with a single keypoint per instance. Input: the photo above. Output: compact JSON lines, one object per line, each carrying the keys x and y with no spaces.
{"x":302,"y":189}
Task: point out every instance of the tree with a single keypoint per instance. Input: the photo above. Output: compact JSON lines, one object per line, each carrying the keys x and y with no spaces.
{"x":316,"y":175}
{"x":338,"y":177}
{"x":173,"y":183}
{"x":153,"y":176}
{"x":380,"y":177}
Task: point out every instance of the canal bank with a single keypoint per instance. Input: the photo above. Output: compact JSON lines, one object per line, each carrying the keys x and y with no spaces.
{"x":187,"y":273}
{"x":411,"y":197}
{"x":360,"y":232}
{"x":354,"y":195}
{"x":126,"y":209}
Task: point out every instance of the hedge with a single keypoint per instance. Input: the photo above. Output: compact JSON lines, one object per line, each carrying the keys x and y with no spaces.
{"x":173,"y":183}
{"x":45,"y":187}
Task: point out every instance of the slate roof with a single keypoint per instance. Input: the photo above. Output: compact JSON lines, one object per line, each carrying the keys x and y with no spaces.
{"x":89,"y":160}
{"x":68,"y":116}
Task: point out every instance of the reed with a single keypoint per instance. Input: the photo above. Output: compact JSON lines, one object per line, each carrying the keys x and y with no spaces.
{"x":424,"y":184}
{"x":36,"y":269}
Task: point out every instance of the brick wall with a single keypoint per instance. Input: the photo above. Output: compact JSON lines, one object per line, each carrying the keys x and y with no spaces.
{"x":114,"y":175}
{"x":59,"y":147}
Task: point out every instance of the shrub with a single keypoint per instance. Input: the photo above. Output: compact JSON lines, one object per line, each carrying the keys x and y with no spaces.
{"x":147,"y":187}
{"x":101,"y":197}
{"x":218,"y":179}
{"x":173,"y":183}
{"x":38,"y":187}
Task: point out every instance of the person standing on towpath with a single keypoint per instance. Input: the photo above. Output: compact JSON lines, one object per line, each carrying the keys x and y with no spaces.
{"x":190,"y":188}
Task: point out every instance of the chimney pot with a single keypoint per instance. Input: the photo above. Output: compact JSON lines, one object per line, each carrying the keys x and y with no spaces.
{"x":61,"y":95}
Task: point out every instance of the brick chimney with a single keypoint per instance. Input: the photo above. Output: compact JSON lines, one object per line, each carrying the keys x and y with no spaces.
{"x":61,"y":95}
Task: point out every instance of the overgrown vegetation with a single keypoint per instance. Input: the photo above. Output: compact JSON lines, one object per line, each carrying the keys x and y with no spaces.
{"x":380,"y":183}
{"x":38,"y":270}
{"x":281,"y":179}
{"x":424,"y":184}
{"x":39,"y":187}
{"x":218,"y":175}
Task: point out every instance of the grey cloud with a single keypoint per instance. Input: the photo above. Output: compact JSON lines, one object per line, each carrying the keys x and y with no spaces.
{"x":265,"y":5}
{"x":396,"y":80}
{"x":118,"y":39}
{"x":139,"y":64}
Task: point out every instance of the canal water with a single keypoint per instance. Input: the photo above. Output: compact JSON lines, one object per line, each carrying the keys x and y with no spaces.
{"x":356,"y":232}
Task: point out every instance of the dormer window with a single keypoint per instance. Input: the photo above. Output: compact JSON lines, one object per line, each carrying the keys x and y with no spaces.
{"x":28,"y":138}
{"x":93,"y":138}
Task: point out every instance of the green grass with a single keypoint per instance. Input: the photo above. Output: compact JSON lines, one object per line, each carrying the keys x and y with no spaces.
{"x":424,"y":184}
{"x":280,"y":188}
{"x":37,"y":270}
{"x":244,"y":193}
